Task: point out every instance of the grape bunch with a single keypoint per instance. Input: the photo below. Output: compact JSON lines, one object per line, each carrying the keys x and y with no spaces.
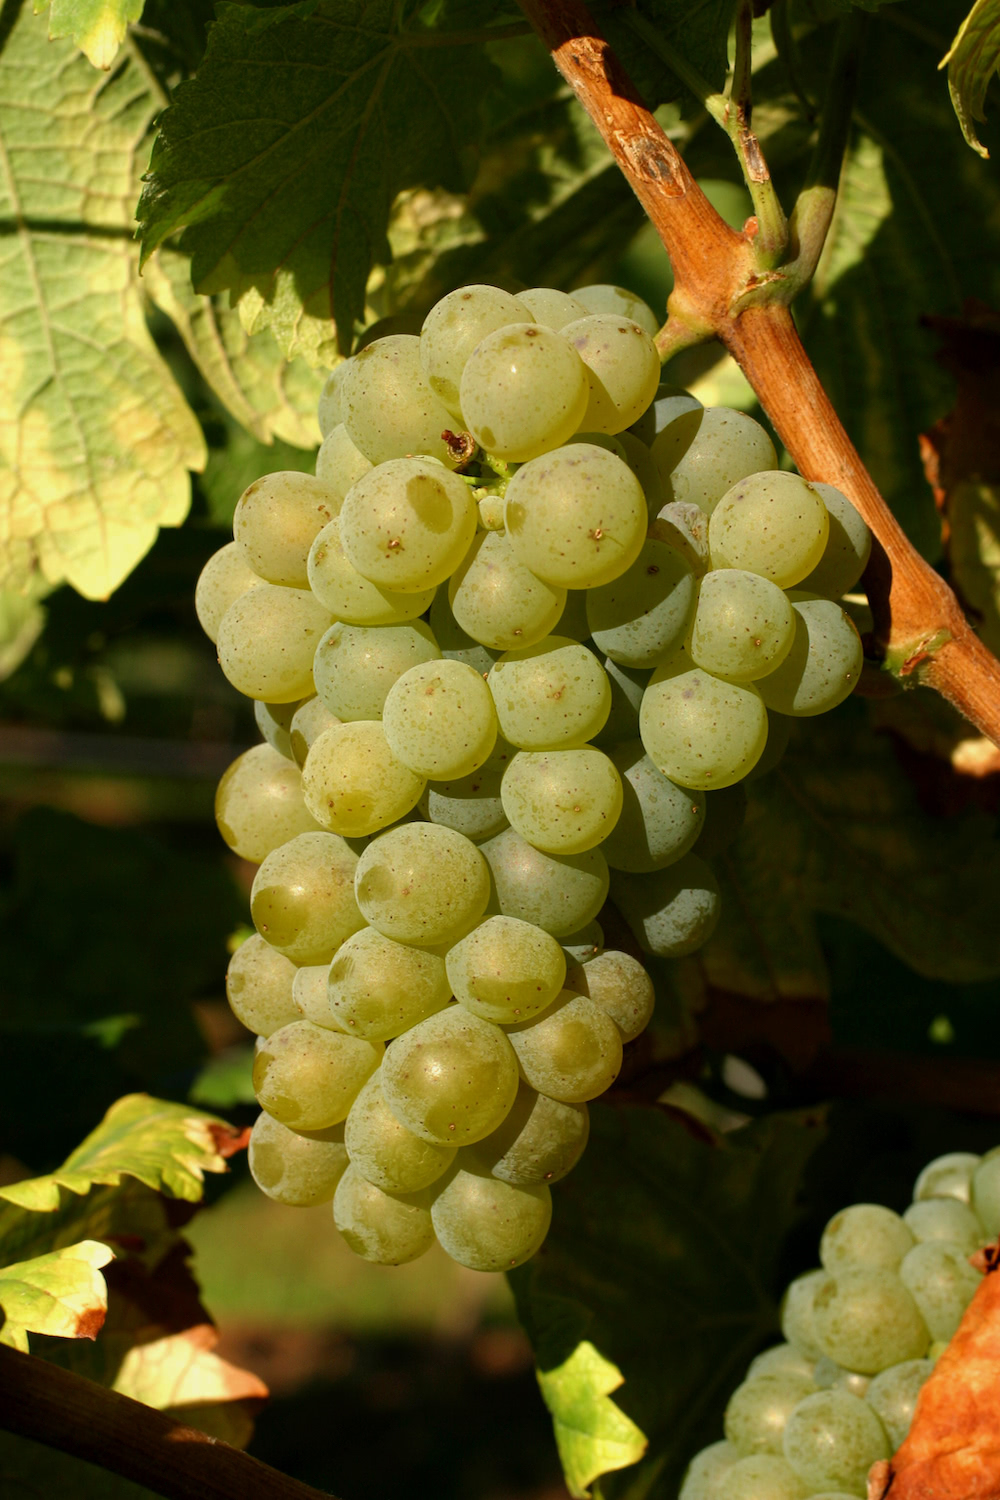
{"x":862,"y":1335}
{"x":513,"y":645}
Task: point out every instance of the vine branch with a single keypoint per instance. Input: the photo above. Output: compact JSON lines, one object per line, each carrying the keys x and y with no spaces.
{"x":62,"y":1410}
{"x":719,"y":282}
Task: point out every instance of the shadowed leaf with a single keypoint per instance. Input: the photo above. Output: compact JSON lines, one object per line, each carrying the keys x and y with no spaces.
{"x":972,"y":60}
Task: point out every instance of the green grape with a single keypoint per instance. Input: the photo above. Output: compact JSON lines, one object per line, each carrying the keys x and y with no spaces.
{"x":356,"y":665}
{"x":700,"y":731}
{"x":259,"y":803}
{"x":307,"y":1076}
{"x":798,"y":1322}
{"x":640,"y":461}
{"x":267,"y":640}
{"x":703,"y":452}
{"x":562,"y":801}
{"x":640,"y":616}
{"x":490,"y":507}
{"x":780,"y":1359}
{"x":828,"y":1375}
{"x":941,"y":1282}
{"x":671,"y":401}
{"x":685,"y":526}
{"x":576,"y":517}
{"x":573,"y":1052}
{"x":489,"y":1225}
{"x":497,"y":600}
{"x":725,"y":814}
{"x":893,"y":1394}
{"x":455,"y":643}
{"x":774,"y":524}
{"x":302,"y":900}
{"x":352,"y":782}
{"x":823,"y":665}
{"x":706,"y":1470}
{"x":407,"y":525}
{"x":275,"y":521}
{"x":671,"y":911}
{"x":422,"y":883}
{"x":763,"y":1476}
{"x":553,"y":695}
{"x":947,"y":1176}
{"x":312,"y":997}
{"x":623,"y":369}
{"x":848,"y":547}
{"x":259,"y":987}
{"x":453,"y":328}
{"x":659,"y":821}
{"x":866,"y":1234}
{"x":541,"y":1140}
{"x":451,"y":1079}
{"x":743,"y":625}
{"x":297,"y":1170}
{"x":387,"y":406}
{"x":439,"y":719}
{"x":944,"y":1219}
{"x":339,"y":465}
{"x":759,"y":1408}
{"x":619,"y":984}
{"x":329,"y":411}
{"x":387,"y":1228}
{"x":220,"y":583}
{"x":471,"y":804}
{"x":378,"y":988}
{"x":627,"y":687}
{"x":310,"y":719}
{"x":832,"y":1439}
{"x":603,"y":297}
{"x":351,"y":597}
{"x":523,"y":391}
{"x":579,"y":947}
{"x":384,"y":1151}
{"x":550,"y":308}
{"x":506,"y":970}
{"x":274,"y":720}
{"x":985,"y":1199}
{"x":558,"y":894}
{"x":867,"y":1320}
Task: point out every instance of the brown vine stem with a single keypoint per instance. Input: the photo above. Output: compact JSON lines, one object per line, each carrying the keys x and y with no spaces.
{"x":62,"y":1410}
{"x":718,"y":274}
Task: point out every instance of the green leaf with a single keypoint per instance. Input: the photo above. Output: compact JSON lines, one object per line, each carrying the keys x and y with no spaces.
{"x":22,"y":620}
{"x":62,"y":1293}
{"x":353,"y":101}
{"x":95,"y":436}
{"x":97,"y":27}
{"x":972,"y":60}
{"x":974,"y":553}
{"x":31,"y":1469}
{"x":660,"y":1268}
{"x":699,"y":32}
{"x":225,"y":1080}
{"x":167,"y":1146}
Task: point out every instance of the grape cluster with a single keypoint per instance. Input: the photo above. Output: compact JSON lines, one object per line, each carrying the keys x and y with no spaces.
{"x":863,"y":1332}
{"x":524,"y":625}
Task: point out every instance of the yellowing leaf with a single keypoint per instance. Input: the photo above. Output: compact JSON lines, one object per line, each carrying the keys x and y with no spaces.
{"x":593,"y":1435}
{"x":972,"y":59}
{"x":181,"y":1372}
{"x":95,"y":435}
{"x":62,"y":1293}
{"x":97,"y":27}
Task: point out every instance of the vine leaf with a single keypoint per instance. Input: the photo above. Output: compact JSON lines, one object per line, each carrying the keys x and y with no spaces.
{"x":288,"y":209}
{"x":972,"y":59}
{"x":593,"y":1435}
{"x":97,"y":27}
{"x":95,"y":435}
{"x":181,"y":1373}
{"x":62,"y":1293}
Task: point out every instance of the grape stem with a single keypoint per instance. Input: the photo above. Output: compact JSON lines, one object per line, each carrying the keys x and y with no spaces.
{"x":721,"y":290}
{"x":40,"y":1401}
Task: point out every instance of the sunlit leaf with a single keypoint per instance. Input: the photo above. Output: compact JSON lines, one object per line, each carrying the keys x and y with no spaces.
{"x":62,"y":1293}
{"x":972,"y":60}
{"x":97,"y":27}
{"x":592,"y":1434}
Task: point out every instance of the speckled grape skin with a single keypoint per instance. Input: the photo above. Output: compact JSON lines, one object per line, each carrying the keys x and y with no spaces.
{"x":553,"y":695}
{"x":498,"y":601}
{"x":423,"y":884}
{"x":259,"y":803}
{"x":559,"y":894}
{"x":387,"y":1228}
{"x":640,"y":616}
{"x":824,"y":663}
{"x":355,"y":665}
{"x":705,"y":1471}
{"x":384,"y":1151}
{"x":986,"y":1194}
{"x":700,"y":731}
{"x":572,"y":1052}
{"x":576,"y":517}
{"x":312,"y":1001}
{"x":540,"y":1140}
{"x":942,"y":1284}
{"x":489,"y":1225}
{"x":259,"y":987}
{"x":833,"y":1438}
{"x":439,"y":719}
{"x":945,"y":1219}
{"x":798,"y":1312}
{"x":867,"y":1320}
{"x":329,"y":411}
{"x":866,"y":1234}
{"x":892,"y":1395}
{"x":672,"y":911}
{"x":453,"y":328}
{"x":352,"y":782}
{"x":623,"y":369}
{"x":310,"y":719}
{"x":220,"y":583}
{"x":408,"y":524}
{"x":297,"y":1170}
{"x":302,"y":900}
{"x":450,"y":1079}
{"x":627,"y":687}
{"x":948,"y":1176}
{"x":307,"y":1076}
{"x":456,"y":644}
{"x":275,"y":521}
{"x":348,"y":595}
{"x":848,"y":547}
{"x":703,"y":452}
{"x":274,"y":720}
{"x":762,"y":1473}
{"x":759,"y":1408}
{"x":659,"y":820}
{"x":780,"y":1357}
{"x":339,"y":464}
{"x":743,"y":626}
{"x":506,"y":970}
{"x":523,"y":392}
{"x":551,"y":308}
{"x":562,"y":801}
{"x":619,"y":984}
{"x":685,"y":526}
{"x":605,"y":297}
{"x":387,"y":406}
{"x":471,"y":804}
{"x":267,"y":640}
{"x":774,"y":524}
{"x":378,"y":988}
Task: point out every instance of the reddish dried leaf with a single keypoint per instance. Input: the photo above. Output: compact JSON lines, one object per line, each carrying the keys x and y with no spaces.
{"x":228,"y":1140}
